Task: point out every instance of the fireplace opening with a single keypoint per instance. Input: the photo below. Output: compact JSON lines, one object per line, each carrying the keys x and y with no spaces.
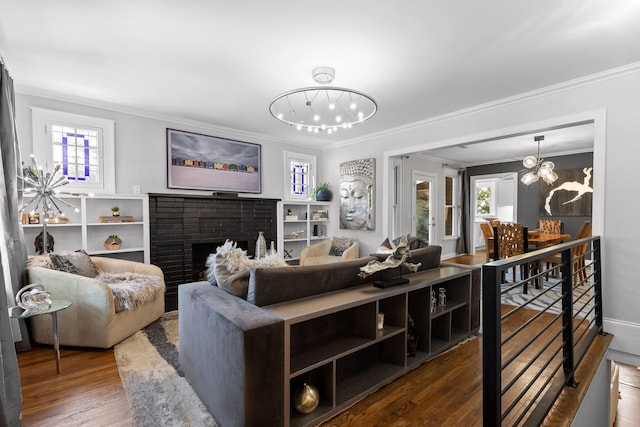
{"x":200,"y":252}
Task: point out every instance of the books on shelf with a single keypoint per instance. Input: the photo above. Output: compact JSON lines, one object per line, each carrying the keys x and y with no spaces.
{"x":115,"y":219}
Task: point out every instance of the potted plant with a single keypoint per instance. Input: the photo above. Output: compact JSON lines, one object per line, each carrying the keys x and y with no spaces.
{"x":322,"y":192}
{"x":115,"y":211}
{"x":113,"y":242}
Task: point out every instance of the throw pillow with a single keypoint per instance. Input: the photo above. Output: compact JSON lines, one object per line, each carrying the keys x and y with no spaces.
{"x":230,"y":268}
{"x":339,"y":245}
{"x":211,"y":265}
{"x":77,"y":262}
{"x":413,"y":242}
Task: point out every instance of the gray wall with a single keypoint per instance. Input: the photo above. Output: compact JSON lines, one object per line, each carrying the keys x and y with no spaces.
{"x":528,"y":204}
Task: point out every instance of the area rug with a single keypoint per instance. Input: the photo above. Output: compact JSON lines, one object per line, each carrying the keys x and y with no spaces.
{"x":153,"y":381}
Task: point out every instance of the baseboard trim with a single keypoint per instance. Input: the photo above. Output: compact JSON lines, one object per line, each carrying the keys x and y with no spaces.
{"x":626,"y":336}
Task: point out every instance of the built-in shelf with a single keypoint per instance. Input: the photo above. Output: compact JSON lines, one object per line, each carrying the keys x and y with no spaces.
{"x":313,"y":230}
{"x":83,"y":231}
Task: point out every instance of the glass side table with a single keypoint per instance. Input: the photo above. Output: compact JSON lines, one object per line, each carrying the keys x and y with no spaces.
{"x":54,"y":308}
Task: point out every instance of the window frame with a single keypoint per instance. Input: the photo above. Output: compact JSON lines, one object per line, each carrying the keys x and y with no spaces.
{"x":311,"y":160}
{"x":455,"y":205}
{"x":492,"y":199}
{"x":42,"y":121}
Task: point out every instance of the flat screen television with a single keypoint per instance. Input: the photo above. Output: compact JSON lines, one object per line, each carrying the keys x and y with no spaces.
{"x":203,"y":162}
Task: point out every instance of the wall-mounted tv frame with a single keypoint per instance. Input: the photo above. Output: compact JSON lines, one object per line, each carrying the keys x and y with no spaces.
{"x":203,"y":162}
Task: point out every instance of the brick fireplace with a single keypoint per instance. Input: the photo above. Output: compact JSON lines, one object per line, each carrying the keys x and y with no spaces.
{"x":180,"y":223}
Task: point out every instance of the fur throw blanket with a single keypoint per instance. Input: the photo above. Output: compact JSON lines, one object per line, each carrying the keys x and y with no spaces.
{"x":131,"y":290}
{"x":230,"y":268}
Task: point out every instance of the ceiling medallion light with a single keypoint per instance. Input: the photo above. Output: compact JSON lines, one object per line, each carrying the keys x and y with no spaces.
{"x":542,"y":170}
{"x":323,"y":108}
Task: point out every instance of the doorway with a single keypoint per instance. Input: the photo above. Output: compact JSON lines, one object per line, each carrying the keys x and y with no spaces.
{"x":423,"y":218}
{"x":493,"y":196}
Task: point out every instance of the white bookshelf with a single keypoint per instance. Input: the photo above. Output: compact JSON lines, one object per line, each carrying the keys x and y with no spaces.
{"x":85,"y":231}
{"x":301,"y":219}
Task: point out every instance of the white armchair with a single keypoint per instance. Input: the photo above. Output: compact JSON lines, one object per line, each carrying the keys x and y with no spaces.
{"x":320,"y":253}
{"x":92,"y":321}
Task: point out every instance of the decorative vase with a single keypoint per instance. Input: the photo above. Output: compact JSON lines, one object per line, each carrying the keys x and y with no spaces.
{"x":324,"y":195}
{"x":261,"y":246}
{"x":306,"y":398}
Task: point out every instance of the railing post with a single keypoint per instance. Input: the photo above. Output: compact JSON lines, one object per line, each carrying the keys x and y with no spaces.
{"x":491,"y":346}
{"x":597,"y":279}
{"x":567,"y":317}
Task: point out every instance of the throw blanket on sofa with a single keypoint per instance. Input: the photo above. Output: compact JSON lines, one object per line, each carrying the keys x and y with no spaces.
{"x":131,"y":290}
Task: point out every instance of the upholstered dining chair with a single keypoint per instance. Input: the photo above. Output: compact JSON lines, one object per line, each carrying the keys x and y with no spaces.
{"x":488,"y":239}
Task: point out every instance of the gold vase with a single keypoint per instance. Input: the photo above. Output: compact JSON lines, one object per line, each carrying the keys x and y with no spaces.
{"x":306,"y":398}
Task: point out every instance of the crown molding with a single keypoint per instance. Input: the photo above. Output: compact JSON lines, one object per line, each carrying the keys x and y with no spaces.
{"x":559,"y":87}
{"x":116,"y":108}
{"x":548,"y":90}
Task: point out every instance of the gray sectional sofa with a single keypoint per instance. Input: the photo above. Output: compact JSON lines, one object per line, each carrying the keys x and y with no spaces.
{"x":231,"y":349}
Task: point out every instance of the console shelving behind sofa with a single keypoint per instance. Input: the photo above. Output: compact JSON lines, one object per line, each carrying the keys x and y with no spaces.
{"x":332,"y":340}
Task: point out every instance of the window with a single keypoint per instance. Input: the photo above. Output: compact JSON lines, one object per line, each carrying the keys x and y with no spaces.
{"x":450,"y":204}
{"x":300,"y":175}
{"x":82,"y":145}
{"x":485,"y":199}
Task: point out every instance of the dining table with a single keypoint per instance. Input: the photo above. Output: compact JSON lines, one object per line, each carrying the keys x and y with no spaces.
{"x":542,"y":240}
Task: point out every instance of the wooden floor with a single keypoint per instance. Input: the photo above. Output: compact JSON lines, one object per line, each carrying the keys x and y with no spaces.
{"x":444,"y":391}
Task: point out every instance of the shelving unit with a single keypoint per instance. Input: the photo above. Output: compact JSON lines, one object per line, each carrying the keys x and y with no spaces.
{"x":289,"y":247}
{"x":84,"y":231}
{"x":333,"y":342}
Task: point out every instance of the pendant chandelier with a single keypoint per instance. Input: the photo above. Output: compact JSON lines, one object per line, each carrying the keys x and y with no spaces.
{"x":323,"y":108}
{"x":543,"y":169}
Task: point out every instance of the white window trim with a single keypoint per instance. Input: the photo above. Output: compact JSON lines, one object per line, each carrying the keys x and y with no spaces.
{"x":492,"y":203}
{"x":308,"y":158}
{"x":453,"y":174}
{"x":41,"y":120}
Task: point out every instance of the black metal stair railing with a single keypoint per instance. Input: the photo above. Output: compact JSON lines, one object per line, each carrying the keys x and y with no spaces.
{"x":533,"y":342}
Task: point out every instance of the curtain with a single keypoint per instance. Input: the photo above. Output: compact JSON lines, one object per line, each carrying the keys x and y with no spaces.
{"x":462,"y":245}
{"x":13,"y":254}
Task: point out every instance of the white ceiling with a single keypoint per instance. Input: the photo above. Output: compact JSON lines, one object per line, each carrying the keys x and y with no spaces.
{"x":220,"y":63}
{"x":557,"y":142}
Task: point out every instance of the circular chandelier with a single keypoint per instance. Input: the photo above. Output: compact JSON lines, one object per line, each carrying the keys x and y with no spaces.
{"x":323,"y":108}
{"x":542,"y":170}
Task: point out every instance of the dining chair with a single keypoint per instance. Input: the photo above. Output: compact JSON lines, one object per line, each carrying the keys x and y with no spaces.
{"x":510,"y":240}
{"x":578,"y":254}
{"x":488,"y":239}
{"x":550,"y":226}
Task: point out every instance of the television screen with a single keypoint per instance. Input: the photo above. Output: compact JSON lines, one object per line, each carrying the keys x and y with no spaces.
{"x":202,"y":162}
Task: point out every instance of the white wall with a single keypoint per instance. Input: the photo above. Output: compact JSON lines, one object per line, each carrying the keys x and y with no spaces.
{"x":613,"y":96}
{"x":141,"y":147}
